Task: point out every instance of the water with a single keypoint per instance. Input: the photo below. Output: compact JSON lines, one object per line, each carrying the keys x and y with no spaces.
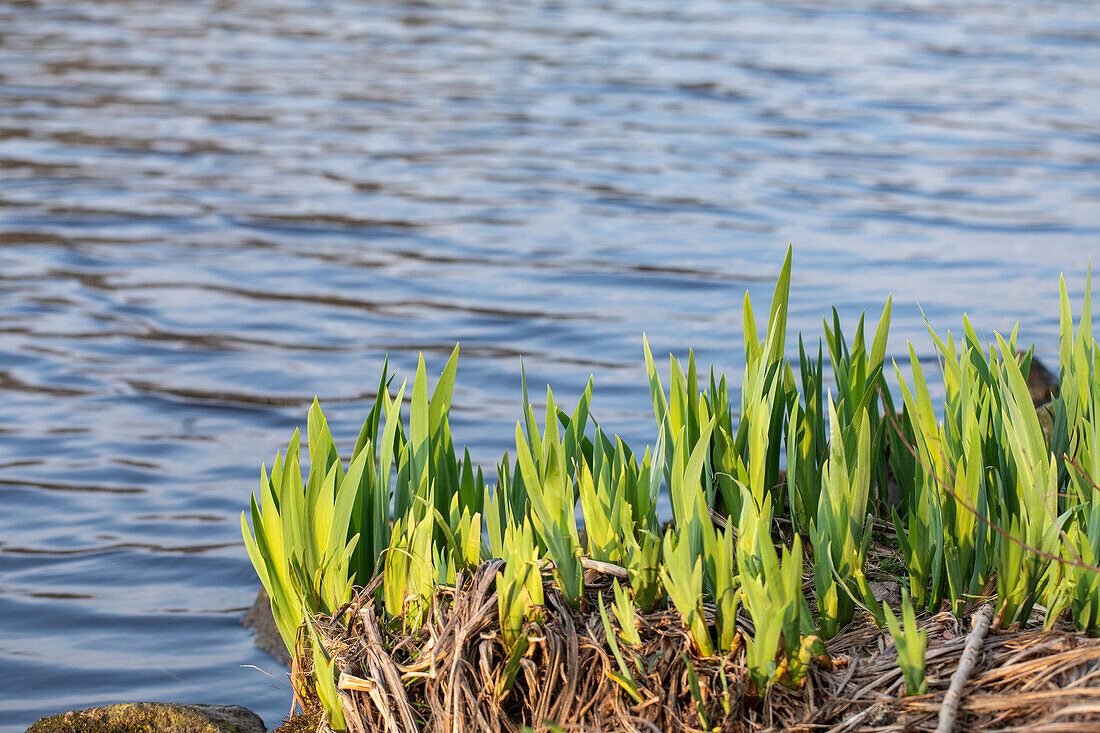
{"x":212,"y":211}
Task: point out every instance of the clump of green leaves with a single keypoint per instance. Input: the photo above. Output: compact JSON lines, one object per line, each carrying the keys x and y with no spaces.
{"x":643,"y":564}
{"x":841,"y":533}
{"x":772,"y":591}
{"x":437,"y":501}
{"x":1080,"y":586}
{"x":920,"y":534}
{"x":949,"y":497}
{"x":767,"y":392}
{"x":807,"y":442}
{"x":624,"y":614}
{"x":910,"y":643}
{"x":698,"y":557}
{"x":1075,"y":439}
{"x":301,"y":549}
{"x":544,"y":462}
{"x":1029,"y":502}
{"x":860,"y":387}
{"x":750,"y":455}
{"x":682,"y":575}
{"x":624,"y":677}
{"x":519,"y":586}
{"x":981,"y":488}
{"x":967,"y":438}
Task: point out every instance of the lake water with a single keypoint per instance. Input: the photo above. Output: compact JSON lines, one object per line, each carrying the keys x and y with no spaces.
{"x":212,"y":211}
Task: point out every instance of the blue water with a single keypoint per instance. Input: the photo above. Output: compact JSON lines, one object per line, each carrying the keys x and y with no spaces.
{"x":212,"y":211}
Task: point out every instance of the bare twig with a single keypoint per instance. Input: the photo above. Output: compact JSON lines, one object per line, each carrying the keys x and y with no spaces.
{"x":606,"y":568}
{"x":1083,"y":472}
{"x":950,"y":707}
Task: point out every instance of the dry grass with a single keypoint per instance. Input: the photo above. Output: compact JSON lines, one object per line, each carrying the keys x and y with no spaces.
{"x":446,"y":676}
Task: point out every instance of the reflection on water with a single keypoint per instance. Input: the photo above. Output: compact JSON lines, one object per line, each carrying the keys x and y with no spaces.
{"x":211,"y":211}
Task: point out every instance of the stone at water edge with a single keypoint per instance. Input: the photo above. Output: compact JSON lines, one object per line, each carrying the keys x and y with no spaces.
{"x":1043,"y":386}
{"x":145,"y":717}
{"x":264,"y":631}
{"x":1042,"y":383}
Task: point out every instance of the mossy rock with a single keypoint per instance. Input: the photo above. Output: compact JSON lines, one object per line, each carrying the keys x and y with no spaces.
{"x":153,"y":717}
{"x":304,"y":723}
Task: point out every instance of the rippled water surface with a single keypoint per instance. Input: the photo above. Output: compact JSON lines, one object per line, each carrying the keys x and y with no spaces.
{"x":212,"y":211}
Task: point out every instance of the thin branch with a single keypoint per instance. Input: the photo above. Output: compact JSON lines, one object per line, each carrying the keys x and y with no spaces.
{"x":1083,"y":472}
{"x":606,"y":568}
{"x":950,"y":708}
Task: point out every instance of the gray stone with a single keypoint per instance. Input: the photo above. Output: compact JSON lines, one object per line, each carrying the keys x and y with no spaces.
{"x":153,"y":717}
{"x":264,"y":631}
{"x":1042,"y":383}
{"x":889,"y":591}
{"x":1043,"y":386}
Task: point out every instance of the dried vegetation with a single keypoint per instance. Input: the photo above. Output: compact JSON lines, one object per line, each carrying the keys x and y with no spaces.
{"x":831,"y":563}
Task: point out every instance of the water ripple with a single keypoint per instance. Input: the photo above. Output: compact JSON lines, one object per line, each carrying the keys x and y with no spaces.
{"x":211,"y":214}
